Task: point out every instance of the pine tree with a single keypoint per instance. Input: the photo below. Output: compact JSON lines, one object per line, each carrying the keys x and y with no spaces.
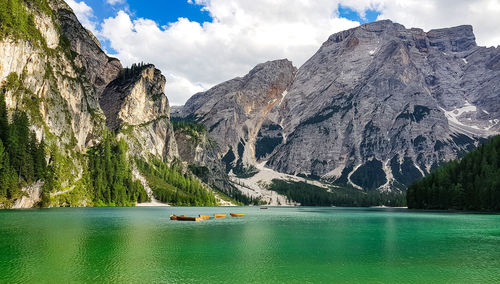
{"x":4,"y":122}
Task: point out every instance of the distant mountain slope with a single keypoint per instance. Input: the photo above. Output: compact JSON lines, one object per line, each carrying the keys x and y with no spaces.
{"x":377,"y":106}
{"x":471,"y":183}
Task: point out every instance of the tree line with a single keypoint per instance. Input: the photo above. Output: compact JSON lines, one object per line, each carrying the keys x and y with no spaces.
{"x":110,"y":175}
{"x":472,"y":183}
{"x":310,"y":195}
{"x":170,"y":185}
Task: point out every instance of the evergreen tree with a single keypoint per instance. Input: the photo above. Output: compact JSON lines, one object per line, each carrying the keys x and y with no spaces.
{"x":4,"y":122}
{"x":471,"y":183}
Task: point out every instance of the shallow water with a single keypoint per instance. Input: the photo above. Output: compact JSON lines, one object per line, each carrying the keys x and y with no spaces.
{"x":301,"y":244}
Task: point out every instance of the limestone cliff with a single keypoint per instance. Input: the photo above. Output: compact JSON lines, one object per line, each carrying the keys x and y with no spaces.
{"x":234,"y":111}
{"x":71,"y":91}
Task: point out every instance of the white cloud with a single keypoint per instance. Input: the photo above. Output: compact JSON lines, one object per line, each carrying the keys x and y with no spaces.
{"x":114,"y":2}
{"x":241,"y":35}
{"x":244,"y":33}
{"x":85,"y":14}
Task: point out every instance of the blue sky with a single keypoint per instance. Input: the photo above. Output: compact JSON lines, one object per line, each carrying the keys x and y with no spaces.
{"x":162,"y":11}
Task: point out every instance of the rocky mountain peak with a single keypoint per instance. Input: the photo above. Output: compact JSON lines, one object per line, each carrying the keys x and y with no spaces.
{"x":234,"y":111}
{"x":455,"y":39}
{"x":135,"y":97}
{"x":377,"y":106}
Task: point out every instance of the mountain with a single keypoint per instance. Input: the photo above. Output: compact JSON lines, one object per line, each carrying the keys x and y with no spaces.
{"x":377,"y":107}
{"x":100,"y":134}
{"x":235,"y":111}
{"x":471,"y":183}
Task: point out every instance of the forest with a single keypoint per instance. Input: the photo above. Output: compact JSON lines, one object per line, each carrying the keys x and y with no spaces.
{"x":22,"y":158}
{"x":310,"y":195}
{"x":170,"y":185}
{"x":111,"y":176}
{"x":471,"y":183}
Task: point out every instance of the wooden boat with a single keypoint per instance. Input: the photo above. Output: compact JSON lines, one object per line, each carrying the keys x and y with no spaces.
{"x":174,"y":217}
{"x":219,"y":216}
{"x":204,"y":217}
{"x":263,"y":207}
{"x":237,"y":215}
{"x":185,"y":218}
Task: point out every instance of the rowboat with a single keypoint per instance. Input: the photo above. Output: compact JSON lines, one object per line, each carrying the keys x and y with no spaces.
{"x":237,"y":215}
{"x":219,"y":215}
{"x":185,"y":218}
{"x":263,"y":207}
{"x":204,"y":217}
{"x":174,"y":217}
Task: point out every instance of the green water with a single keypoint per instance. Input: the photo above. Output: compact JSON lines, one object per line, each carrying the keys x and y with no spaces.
{"x":286,"y":245}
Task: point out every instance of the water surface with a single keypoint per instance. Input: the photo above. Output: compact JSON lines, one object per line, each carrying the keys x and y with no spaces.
{"x":298,"y":245}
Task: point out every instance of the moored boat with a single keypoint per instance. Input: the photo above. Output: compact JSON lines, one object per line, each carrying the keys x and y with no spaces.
{"x":237,"y":215}
{"x":185,"y":218}
{"x":219,"y":215}
{"x":174,"y":217}
{"x":204,"y":217}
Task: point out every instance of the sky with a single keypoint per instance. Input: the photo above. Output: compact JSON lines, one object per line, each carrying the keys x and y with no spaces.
{"x":200,"y":43}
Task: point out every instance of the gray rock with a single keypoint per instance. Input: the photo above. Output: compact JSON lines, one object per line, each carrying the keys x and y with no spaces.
{"x":379,"y":92}
{"x":377,"y":106}
{"x":235,"y":110}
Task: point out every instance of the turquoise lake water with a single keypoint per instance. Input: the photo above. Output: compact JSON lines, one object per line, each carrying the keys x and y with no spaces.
{"x":278,"y":245}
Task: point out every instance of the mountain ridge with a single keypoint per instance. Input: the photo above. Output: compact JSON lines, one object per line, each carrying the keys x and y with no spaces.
{"x":381,"y":102}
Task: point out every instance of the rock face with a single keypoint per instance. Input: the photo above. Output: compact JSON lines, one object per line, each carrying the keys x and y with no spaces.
{"x":71,"y":91}
{"x":135,"y":103}
{"x":135,"y":99}
{"x":202,"y":151}
{"x":99,"y":69}
{"x":377,"y":106}
{"x":234,"y":111}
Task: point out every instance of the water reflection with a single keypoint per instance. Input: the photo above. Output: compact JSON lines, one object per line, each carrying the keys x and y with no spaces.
{"x":295,"y":244}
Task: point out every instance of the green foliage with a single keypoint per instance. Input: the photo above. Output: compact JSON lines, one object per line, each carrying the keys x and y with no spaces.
{"x":473,"y":183}
{"x":111,"y":176}
{"x":16,"y":21}
{"x":244,"y":171}
{"x":131,"y":72}
{"x":190,"y":127}
{"x":310,"y":195}
{"x":22,"y":158}
{"x":171,"y":186}
{"x":228,"y":198}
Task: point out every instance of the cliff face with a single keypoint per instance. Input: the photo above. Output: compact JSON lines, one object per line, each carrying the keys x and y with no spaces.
{"x":234,"y":111}
{"x":377,"y":106}
{"x":71,"y":91}
{"x":380,"y":105}
{"x":135,"y":104}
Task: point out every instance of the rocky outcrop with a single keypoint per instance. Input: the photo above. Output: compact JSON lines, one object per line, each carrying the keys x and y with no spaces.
{"x":135,"y":104}
{"x":88,"y":57}
{"x":135,"y":98}
{"x":234,"y":111}
{"x":201,"y":152}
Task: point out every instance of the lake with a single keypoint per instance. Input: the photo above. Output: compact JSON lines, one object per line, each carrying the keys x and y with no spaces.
{"x":289,"y":245}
